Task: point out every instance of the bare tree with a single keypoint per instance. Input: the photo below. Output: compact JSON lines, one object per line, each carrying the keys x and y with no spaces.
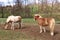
{"x":17,"y":8}
{"x":2,"y":9}
{"x":2,"y":12}
{"x":56,"y":5}
{"x":52,"y":7}
{"x":44,"y":6}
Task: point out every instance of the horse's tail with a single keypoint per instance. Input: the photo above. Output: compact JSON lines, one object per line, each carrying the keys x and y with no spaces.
{"x":52,"y":26}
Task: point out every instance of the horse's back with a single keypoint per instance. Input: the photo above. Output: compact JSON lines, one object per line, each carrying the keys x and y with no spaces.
{"x":13,"y":18}
{"x":45,"y":21}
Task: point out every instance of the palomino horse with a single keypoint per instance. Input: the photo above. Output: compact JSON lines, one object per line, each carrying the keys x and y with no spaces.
{"x":13,"y":19}
{"x":43,"y":22}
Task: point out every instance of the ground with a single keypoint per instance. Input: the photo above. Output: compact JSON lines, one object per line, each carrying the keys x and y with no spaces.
{"x":31,"y":32}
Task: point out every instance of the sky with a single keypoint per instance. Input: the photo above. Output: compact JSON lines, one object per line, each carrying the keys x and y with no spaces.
{"x":6,"y":2}
{"x":11,"y":2}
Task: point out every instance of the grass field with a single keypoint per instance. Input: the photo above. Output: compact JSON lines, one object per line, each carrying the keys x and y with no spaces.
{"x":19,"y":34}
{"x":25,"y":20}
{"x":9,"y":35}
{"x":14,"y":35}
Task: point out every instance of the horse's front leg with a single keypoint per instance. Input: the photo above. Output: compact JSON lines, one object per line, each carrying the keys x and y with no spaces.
{"x":40,"y":29}
{"x":44,"y":29}
{"x":12,"y":25}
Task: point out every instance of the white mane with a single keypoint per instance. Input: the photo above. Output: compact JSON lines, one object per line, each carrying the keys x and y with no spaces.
{"x":12,"y":18}
{"x":38,"y":15}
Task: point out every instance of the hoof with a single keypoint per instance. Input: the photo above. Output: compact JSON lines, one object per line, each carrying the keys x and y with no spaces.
{"x":52,"y":34}
{"x":40,"y":31}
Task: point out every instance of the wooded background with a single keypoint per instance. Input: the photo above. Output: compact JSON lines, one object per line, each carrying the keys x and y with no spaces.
{"x":43,"y":8}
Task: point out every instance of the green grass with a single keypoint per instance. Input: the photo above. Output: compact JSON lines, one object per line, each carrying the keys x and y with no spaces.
{"x":2,"y":20}
{"x":16,"y":35}
{"x":25,"y":20}
{"x":9,"y":35}
{"x":13,"y":35}
{"x":28,"y":20}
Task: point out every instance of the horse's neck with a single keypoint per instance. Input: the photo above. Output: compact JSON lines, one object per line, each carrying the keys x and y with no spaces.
{"x":39,"y":19}
{"x":42,"y":19}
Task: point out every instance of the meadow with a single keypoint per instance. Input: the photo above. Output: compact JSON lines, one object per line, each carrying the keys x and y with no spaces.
{"x":29,"y":31}
{"x":14,"y":35}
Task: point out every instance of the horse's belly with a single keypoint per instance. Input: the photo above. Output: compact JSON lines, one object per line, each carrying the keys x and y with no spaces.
{"x":44,"y":24}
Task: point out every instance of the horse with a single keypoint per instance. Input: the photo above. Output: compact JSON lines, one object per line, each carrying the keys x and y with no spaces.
{"x":11,"y":20}
{"x":45,"y":22}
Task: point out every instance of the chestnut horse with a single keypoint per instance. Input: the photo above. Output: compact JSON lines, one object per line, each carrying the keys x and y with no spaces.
{"x":11,"y":20}
{"x":43,"y":22}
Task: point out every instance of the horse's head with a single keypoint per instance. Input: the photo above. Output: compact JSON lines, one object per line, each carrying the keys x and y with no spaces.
{"x":36,"y":16}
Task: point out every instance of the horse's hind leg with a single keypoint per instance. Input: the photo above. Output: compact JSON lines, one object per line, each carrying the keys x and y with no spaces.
{"x":52,"y":29}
